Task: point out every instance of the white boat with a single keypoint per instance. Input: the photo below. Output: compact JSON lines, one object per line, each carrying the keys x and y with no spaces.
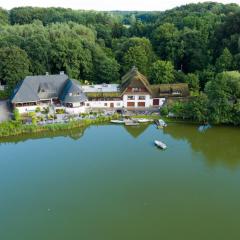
{"x":129,"y":122}
{"x":160,"y":123}
{"x":160,"y":144}
{"x":143,"y":120}
{"x":118,"y":121}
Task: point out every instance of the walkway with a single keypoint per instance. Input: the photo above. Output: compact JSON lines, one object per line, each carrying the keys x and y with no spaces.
{"x":5,"y":113}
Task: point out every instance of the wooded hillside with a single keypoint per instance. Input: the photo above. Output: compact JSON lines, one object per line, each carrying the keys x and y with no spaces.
{"x":193,"y":43}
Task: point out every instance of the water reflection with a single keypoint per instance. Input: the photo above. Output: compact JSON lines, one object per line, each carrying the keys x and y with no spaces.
{"x":74,"y":134}
{"x":136,"y":131}
{"x":220,"y":145}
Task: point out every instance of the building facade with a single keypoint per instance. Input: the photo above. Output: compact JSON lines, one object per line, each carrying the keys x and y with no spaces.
{"x":58,"y":91}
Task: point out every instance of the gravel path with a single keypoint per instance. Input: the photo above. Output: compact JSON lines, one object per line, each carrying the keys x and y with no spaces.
{"x":4,"y":111}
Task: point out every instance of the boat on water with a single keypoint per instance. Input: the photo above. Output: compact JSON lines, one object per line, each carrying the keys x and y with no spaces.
{"x":118,"y":121}
{"x":204,"y":127}
{"x":131,"y":123}
{"x":143,"y":120}
{"x":160,"y":144}
{"x":160,"y":123}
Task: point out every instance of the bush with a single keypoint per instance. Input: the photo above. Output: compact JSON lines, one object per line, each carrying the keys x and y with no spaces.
{"x":164,"y":110}
{"x":16,"y":115}
{"x":45,"y":110}
{"x":60,"y":111}
{"x":4,"y":95}
{"x":37,"y":109}
{"x":33,"y":117}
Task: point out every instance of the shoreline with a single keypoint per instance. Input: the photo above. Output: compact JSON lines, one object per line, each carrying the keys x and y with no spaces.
{"x":15,"y":129}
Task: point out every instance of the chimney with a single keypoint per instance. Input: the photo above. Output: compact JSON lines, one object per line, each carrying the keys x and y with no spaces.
{"x":61,"y":73}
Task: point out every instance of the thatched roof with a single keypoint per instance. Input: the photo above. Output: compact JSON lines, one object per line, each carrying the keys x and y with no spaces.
{"x":103,"y":94}
{"x":134,"y":79}
{"x":164,"y":90}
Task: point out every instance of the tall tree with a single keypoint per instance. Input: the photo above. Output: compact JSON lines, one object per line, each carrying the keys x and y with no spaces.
{"x":224,"y":98}
{"x":14,"y":65}
{"x":225,"y":61}
{"x":162,"y":72}
{"x":166,"y":42}
{"x":135,"y":56}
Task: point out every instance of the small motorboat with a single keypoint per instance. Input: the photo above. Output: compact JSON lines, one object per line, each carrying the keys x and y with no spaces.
{"x":130,"y":122}
{"x":117,"y":121}
{"x":160,"y":144}
{"x":143,"y":120}
{"x":160,"y":123}
{"x":204,"y":128}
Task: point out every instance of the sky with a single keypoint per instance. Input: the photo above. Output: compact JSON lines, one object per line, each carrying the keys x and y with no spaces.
{"x":141,"y":5}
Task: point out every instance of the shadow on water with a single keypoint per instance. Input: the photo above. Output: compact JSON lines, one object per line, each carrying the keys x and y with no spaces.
{"x":219,"y":145}
{"x":136,"y":131}
{"x":74,"y":134}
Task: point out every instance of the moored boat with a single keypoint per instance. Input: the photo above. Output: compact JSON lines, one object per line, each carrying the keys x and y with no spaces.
{"x":143,"y":120}
{"x":131,"y":123}
{"x":118,"y":121}
{"x":160,"y":144}
{"x":160,"y":123}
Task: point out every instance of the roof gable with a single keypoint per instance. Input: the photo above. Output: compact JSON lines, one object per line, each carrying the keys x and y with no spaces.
{"x":72,"y":92}
{"x":35,"y":88}
{"x":134,"y":79}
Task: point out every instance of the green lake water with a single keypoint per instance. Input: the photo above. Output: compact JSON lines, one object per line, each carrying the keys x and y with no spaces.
{"x":111,"y":183}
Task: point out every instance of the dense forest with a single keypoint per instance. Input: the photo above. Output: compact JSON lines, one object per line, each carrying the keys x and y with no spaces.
{"x":196,"y":43}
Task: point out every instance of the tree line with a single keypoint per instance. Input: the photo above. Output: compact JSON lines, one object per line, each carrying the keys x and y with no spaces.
{"x":196,"y":43}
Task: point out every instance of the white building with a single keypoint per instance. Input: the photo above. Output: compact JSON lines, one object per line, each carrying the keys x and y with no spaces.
{"x":59,"y":91}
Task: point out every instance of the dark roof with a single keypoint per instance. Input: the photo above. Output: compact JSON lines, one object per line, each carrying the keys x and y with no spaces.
{"x":35,"y":88}
{"x":165,"y":90}
{"x":134,"y":79}
{"x":72,"y":92}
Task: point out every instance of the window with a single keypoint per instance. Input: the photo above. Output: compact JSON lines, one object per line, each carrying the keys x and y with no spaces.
{"x":105,"y":104}
{"x":141,"y":97}
{"x":131,"y":97}
{"x":176,"y":92}
{"x":136,"y":89}
{"x":87,"y":104}
{"x":118,"y":104}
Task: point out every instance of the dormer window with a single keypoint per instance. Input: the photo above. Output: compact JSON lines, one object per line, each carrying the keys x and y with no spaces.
{"x":176,"y":92}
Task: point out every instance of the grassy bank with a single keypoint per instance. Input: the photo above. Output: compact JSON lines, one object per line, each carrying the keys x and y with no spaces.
{"x":16,"y":128}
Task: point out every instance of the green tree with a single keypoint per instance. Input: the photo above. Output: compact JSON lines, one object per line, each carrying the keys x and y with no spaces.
{"x":16,"y":115}
{"x":224,"y":95}
{"x":3,"y":17}
{"x":14,"y":65}
{"x":225,"y":61}
{"x":106,"y":69}
{"x":162,"y":72}
{"x":166,"y":41}
{"x":195,"y":54}
{"x":135,"y":56}
{"x":197,"y":109}
{"x":193,"y":82}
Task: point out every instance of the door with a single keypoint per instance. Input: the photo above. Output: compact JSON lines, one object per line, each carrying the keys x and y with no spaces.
{"x":155,"y":102}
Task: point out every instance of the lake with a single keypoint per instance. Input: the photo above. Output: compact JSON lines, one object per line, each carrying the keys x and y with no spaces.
{"x":111,"y":183}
